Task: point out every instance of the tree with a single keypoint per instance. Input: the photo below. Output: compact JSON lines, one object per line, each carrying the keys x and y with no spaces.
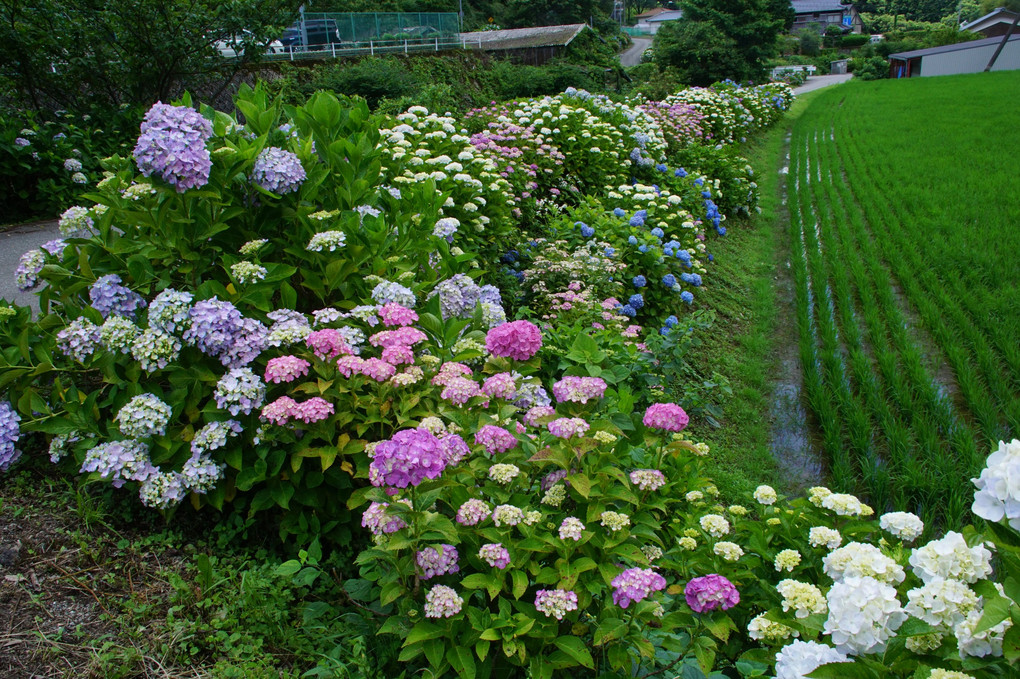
{"x":76,"y":53}
{"x":743,"y":36}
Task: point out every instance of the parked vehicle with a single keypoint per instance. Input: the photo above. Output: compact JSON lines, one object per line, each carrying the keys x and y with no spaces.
{"x":320,"y":32}
{"x":235,"y":45}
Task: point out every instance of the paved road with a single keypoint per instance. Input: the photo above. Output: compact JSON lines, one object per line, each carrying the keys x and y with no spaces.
{"x":632,"y":57}
{"x":817,"y":82}
{"x":15,"y":242}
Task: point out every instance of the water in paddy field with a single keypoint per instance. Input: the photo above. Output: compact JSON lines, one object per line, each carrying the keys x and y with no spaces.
{"x":791,"y":439}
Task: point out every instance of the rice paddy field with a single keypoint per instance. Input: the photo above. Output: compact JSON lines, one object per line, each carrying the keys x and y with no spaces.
{"x":904,"y":233}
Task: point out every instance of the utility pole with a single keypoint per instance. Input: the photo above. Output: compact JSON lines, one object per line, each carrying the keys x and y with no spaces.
{"x":460,"y":16}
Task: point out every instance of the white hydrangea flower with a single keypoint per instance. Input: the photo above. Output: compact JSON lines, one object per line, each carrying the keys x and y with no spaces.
{"x":904,"y":525}
{"x":714,"y":525}
{"x":803,"y":598}
{"x":730,"y":551}
{"x":845,"y":504}
{"x":979,"y":644}
{"x":822,"y":536}
{"x":998,"y":487}
{"x":951,"y":558}
{"x":787,"y":560}
{"x":763,"y":629}
{"x":800,"y":658}
{"x":941,"y":603}
{"x":863,"y":614}
{"x":857,"y":559}
{"x":765,"y":495}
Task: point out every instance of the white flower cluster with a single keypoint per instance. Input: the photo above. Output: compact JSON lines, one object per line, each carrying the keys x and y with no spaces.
{"x":941,"y":603}
{"x":715,"y":525}
{"x":904,"y":525}
{"x":765,"y":495}
{"x":730,"y":551}
{"x":803,"y":598}
{"x":951,"y":558}
{"x":998,"y":487}
{"x":247,"y":272}
{"x":763,"y":629}
{"x":863,"y":614}
{"x":858,"y":559}
{"x":822,"y":536}
{"x":800,"y":658}
{"x":844,"y":504}
{"x":503,"y":473}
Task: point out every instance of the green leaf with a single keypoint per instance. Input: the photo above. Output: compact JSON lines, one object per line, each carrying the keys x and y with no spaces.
{"x":462,"y":661}
{"x":581,"y":483}
{"x":520,"y":581}
{"x":422,"y":631}
{"x":475,"y":581}
{"x":576,"y":649}
{"x":610,"y":629}
{"x":288,"y":568}
{"x":843,"y":670}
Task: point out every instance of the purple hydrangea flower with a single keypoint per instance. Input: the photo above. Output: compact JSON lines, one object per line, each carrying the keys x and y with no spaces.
{"x":79,"y":340}
{"x":495,"y":554}
{"x":555,"y":603}
{"x":458,"y":296}
{"x":634,"y":584}
{"x":278,"y":171}
{"x":119,"y":461}
{"x":172,"y":145}
{"x":26,"y":275}
{"x":434,"y":561}
{"x":710,"y":592}
{"x":579,"y":389}
{"x":495,"y":439}
{"x":379,"y":521}
{"x":110,"y":298}
{"x":240,"y":391}
{"x":408,"y":458}
{"x":10,"y":432}
{"x":473,"y":512}
{"x":55,"y":247}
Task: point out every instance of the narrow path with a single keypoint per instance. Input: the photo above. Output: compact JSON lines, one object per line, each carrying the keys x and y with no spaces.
{"x":14,"y":242}
{"x":817,"y":82}
{"x":632,"y":56}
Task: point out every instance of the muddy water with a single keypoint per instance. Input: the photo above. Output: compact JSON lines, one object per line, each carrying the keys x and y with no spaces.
{"x":791,"y":438}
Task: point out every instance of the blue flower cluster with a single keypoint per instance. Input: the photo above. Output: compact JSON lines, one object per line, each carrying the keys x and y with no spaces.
{"x":278,"y":171}
{"x":109,"y":297}
{"x":9,"y":435}
{"x":692,"y":278}
{"x":639,"y":281}
{"x":172,"y":145}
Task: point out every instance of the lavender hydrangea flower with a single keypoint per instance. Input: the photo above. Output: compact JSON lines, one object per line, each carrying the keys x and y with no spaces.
{"x":119,"y":461}
{"x":143,"y":416}
{"x":214,"y":436}
{"x":170,"y":311}
{"x":240,"y":391}
{"x":55,"y":247}
{"x":408,"y":458}
{"x":109,"y":297}
{"x":436,"y":561}
{"x":495,"y":554}
{"x":10,"y":432}
{"x":458,"y":296}
{"x":442,"y":602}
{"x":473,"y":512}
{"x":445,"y":228}
{"x":379,"y":521}
{"x":26,"y":275}
{"x":79,"y":340}
{"x":172,"y":145}
{"x":710,"y":592}
{"x":388,"y":291}
{"x":278,"y":171}
{"x":201,"y":473}
{"x":72,"y":165}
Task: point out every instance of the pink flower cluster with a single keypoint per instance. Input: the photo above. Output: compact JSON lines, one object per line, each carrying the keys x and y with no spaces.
{"x":284,"y":409}
{"x":579,"y":389}
{"x":555,"y":603}
{"x":535,"y":415}
{"x":286,"y":369}
{"x":375,"y":368}
{"x":634,"y":584}
{"x":410,"y":457}
{"x":495,"y":439}
{"x":500,"y":385}
{"x":665,"y":416}
{"x":392,"y":314}
{"x":442,"y":602}
{"x":454,"y":447}
{"x":519,"y":340}
{"x":407,"y":337}
{"x":379,"y":521}
{"x":710,"y":592}
{"x":473,"y":512}
{"x":647,"y":479}
{"x":567,"y":427}
{"x":495,"y":554}
{"x":436,"y":561}
{"x":328,"y":343}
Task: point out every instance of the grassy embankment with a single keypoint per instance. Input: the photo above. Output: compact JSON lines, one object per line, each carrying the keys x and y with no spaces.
{"x":904,"y":233}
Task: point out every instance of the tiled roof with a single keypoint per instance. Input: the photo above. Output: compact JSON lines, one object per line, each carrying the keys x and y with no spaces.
{"x":812,"y":6}
{"x":952,"y":48}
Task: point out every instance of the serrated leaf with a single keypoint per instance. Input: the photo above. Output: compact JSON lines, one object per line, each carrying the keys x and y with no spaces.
{"x":576,"y":649}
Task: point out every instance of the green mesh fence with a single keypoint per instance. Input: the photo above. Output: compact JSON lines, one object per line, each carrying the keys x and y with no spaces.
{"x":357,"y":27}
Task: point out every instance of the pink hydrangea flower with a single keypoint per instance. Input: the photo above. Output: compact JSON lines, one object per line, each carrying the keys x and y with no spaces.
{"x":279,"y":411}
{"x":392,"y":313}
{"x":379,"y":521}
{"x":442,"y":602}
{"x":535,"y":415}
{"x":436,"y":561}
{"x":407,"y":337}
{"x":710,"y":592}
{"x":328,"y":343}
{"x":665,"y":416}
{"x":555,"y":603}
{"x":454,"y":447}
{"x":495,"y":554}
{"x":634,"y":584}
{"x":647,"y":479}
{"x":567,"y":427}
{"x":500,"y":385}
{"x":449,"y":371}
{"x":495,"y":439}
{"x":349,"y":365}
{"x":314,"y":409}
{"x":286,"y":369}
{"x":377,"y":369}
{"x":460,"y":390}
{"x":398,"y":354}
{"x":519,"y":340}
{"x":473,"y":512}
{"x":579,"y":389}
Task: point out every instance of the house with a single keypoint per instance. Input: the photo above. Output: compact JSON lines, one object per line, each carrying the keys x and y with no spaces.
{"x":964,"y":57}
{"x":996,"y":22}
{"x":821,"y":14}
{"x":535,"y":45}
{"x":650,"y":21}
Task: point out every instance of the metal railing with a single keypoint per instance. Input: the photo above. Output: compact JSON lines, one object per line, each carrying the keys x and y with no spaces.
{"x":372,"y":48}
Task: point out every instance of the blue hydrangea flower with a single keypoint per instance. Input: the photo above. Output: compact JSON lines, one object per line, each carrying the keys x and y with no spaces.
{"x":657,"y":232}
{"x":10,"y":432}
{"x":172,"y":145}
{"x":639,"y":281}
{"x":610,"y":252}
{"x":109,"y":297}
{"x":692,"y":278}
{"x":680,"y":172}
{"x":684,"y":256}
{"x":711,"y":258}
{"x":667,"y":251}
{"x":671,"y":321}
{"x":278,"y":171}
{"x":643,"y":248}
{"x":687,"y":296}
{"x":628,"y":310}
{"x":637,"y":220}
{"x":636,"y":300}
{"x":632,"y":240}
{"x":706,"y":194}
{"x":669,"y":280}
{"x":586,"y":231}
{"x":661,"y":168}
{"x":619,"y":212}
{"x":721,"y":230}
{"x":699,"y":181}
{"x":510,"y":257}
{"x":643,"y":214}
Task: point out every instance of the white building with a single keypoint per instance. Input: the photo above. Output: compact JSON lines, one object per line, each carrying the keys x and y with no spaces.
{"x":964,"y":57}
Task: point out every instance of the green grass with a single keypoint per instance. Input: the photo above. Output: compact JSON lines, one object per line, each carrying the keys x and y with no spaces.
{"x":906,"y":293}
{"x":742,"y":344}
